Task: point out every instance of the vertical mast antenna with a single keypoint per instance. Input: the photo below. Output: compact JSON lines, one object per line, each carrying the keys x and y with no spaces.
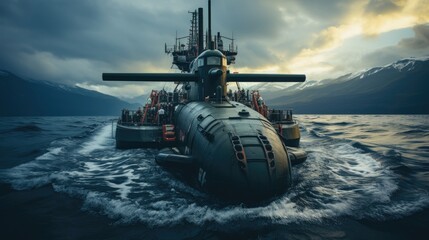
{"x":210,"y":27}
{"x":200,"y":31}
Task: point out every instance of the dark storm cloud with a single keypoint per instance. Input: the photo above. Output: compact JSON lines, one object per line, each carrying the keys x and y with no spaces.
{"x":248,"y":19}
{"x":384,"y":6}
{"x":264,"y":29}
{"x":420,"y":41}
{"x":416,"y":46}
{"x":48,"y":17}
{"x":253,"y":23}
{"x":74,"y":41}
{"x":113,"y":33}
{"x":47,"y":25}
{"x":96,"y":30}
{"x":43,"y":38}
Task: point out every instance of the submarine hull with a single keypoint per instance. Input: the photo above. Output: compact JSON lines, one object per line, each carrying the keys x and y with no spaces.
{"x":237,"y":153}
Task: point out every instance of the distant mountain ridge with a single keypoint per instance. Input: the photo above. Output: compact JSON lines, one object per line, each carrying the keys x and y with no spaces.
{"x":397,"y":88}
{"x":27,"y":97}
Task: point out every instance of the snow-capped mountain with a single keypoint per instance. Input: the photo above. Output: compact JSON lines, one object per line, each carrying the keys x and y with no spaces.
{"x":274,"y":90}
{"x":399,"y":87}
{"x":406,"y":64}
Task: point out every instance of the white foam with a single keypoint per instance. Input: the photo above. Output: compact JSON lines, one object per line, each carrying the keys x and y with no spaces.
{"x":111,"y":158}
{"x":101,"y":140}
{"x":365,"y":183}
{"x":32,"y":175}
{"x":124,"y":188}
{"x":396,"y":209}
{"x":51,"y":154}
{"x":176,"y":211}
{"x":346,"y":177}
{"x":285,"y":211}
{"x":337,"y":180}
{"x":92,"y":167}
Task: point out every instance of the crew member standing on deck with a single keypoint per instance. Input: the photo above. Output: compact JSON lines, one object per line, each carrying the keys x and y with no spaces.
{"x":260,"y":101}
{"x":139,"y":115}
{"x":161,"y":114}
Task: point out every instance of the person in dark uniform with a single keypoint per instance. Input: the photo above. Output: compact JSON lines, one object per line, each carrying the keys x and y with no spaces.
{"x":161,"y":115}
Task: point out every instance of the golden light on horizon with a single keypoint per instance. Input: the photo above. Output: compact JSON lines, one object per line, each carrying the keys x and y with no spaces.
{"x":314,"y":59}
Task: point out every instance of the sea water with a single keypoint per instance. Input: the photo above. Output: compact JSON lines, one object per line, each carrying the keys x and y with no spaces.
{"x":366,"y":176}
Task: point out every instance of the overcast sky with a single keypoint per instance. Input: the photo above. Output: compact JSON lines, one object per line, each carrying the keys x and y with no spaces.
{"x":73,"y":42}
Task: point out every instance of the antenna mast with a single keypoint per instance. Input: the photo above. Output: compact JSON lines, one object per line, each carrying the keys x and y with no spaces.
{"x":200,"y":31}
{"x":211,"y":47}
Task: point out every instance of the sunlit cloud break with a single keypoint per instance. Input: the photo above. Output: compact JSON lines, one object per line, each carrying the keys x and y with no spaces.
{"x":73,"y":43}
{"x":362,"y":20}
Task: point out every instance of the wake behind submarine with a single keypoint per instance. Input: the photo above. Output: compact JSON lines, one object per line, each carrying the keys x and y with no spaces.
{"x":230,"y":143}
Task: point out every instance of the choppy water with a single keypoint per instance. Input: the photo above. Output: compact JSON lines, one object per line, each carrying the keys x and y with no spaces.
{"x":365,"y":176}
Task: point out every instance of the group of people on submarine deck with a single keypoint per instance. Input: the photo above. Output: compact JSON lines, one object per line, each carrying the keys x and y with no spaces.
{"x":159,"y":107}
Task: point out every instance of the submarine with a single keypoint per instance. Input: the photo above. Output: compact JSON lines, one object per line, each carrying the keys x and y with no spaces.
{"x":231,"y":144}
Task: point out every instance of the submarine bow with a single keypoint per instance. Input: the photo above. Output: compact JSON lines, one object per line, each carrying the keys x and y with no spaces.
{"x":238,"y":153}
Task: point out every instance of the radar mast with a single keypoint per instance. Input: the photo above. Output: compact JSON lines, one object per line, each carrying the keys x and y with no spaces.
{"x":183,"y":54}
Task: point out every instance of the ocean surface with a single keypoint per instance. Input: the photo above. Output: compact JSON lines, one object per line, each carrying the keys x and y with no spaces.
{"x":366,"y":177}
